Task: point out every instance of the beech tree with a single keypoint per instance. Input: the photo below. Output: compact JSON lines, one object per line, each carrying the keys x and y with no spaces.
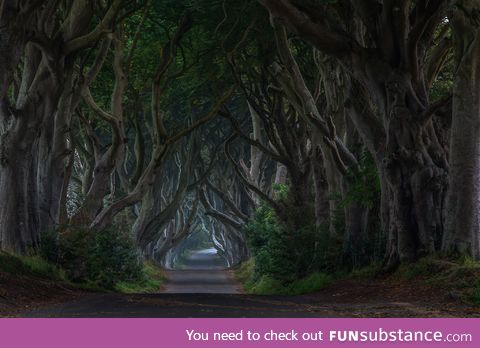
{"x":462,"y":230}
{"x":46,"y":38}
{"x":387,"y":48}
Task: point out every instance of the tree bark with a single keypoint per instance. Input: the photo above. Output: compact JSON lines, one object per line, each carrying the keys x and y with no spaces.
{"x":462,"y":226}
{"x":33,"y":130}
{"x":18,"y":196}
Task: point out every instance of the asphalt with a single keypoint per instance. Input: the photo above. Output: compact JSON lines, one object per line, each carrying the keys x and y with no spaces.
{"x":204,"y":272}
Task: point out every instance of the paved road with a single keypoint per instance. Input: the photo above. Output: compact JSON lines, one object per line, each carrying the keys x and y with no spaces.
{"x":203,"y":273}
{"x":181,"y":306}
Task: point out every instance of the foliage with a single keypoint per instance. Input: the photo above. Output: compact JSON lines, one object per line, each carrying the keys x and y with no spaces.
{"x":291,"y":255}
{"x":279,"y":252}
{"x":363,"y":191}
{"x":113,"y":258}
{"x":281,"y":191}
{"x":102,"y":258}
{"x":309,"y":284}
{"x":363,"y":182}
{"x":421,"y":268}
{"x":245,"y":270}
{"x":267,"y":285}
{"x":460,"y":277}
{"x":150,"y":282}
{"x":48,"y":246}
{"x":30,"y":266}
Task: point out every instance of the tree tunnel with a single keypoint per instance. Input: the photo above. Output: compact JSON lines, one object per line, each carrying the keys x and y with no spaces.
{"x":309,"y":137}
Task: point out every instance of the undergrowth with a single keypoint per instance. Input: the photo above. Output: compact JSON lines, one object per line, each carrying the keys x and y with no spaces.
{"x":36,"y":267}
{"x":460,"y":277}
{"x":267,"y":285}
{"x":150,"y":283}
{"x":32,"y":266}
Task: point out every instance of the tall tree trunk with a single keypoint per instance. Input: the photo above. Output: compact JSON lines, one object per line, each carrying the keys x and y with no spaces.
{"x":415,"y":172}
{"x":322,"y":207}
{"x":356,"y":223}
{"x":53,"y":152}
{"x":462,"y":228}
{"x":18,"y":196}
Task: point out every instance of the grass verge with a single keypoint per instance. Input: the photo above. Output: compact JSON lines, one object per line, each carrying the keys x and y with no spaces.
{"x":37,"y":267}
{"x":459,"y":278}
{"x":270,"y":286}
{"x":33,"y":266}
{"x":151,"y":282}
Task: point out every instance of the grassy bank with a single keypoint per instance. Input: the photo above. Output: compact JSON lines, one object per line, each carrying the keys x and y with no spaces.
{"x":266,"y":285}
{"x":37,"y":268}
{"x":152,"y":281}
{"x":455,"y":279}
{"x":458,"y":278}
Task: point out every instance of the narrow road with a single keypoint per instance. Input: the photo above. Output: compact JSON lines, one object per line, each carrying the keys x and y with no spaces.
{"x":203,"y":273}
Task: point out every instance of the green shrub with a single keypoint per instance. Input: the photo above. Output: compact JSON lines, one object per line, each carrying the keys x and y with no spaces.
{"x":42,"y":268}
{"x":270,"y":286}
{"x":412,"y":270}
{"x":312,"y":283}
{"x":74,"y":246}
{"x":48,"y":246}
{"x":245,"y":270}
{"x":12,"y":265}
{"x":92,"y":260}
{"x":150,"y":282}
{"x":113,"y":258}
{"x":363,"y":191}
{"x":280,"y":252}
{"x":101,"y":259}
{"x":266,"y":285}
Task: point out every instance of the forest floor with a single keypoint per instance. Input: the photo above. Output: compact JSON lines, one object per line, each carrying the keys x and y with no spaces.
{"x":214,"y":293}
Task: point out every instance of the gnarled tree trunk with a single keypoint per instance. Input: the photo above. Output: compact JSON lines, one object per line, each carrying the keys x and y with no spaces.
{"x":18,"y":228}
{"x":415,"y":172}
{"x":462,"y":228}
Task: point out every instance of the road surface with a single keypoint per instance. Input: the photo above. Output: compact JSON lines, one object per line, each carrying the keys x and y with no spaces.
{"x":203,"y":273}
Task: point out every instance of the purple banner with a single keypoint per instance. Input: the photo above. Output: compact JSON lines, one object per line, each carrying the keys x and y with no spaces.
{"x":179,"y":333}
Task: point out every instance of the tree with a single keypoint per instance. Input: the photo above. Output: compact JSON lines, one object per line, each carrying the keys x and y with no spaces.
{"x":462,"y":230}
{"x":46,"y":38}
{"x":386,"y":46}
